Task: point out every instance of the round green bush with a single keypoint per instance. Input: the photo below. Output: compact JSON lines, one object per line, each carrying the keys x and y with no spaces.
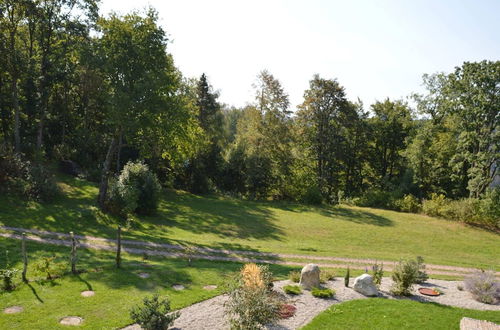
{"x":322,"y":293}
{"x":292,"y":289}
{"x":136,"y":190}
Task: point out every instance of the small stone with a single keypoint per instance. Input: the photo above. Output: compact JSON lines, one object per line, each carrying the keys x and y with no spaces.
{"x":144,"y":275}
{"x":178,"y":287}
{"x":13,"y":310}
{"x":309,"y":276}
{"x":364,"y":285}
{"x":71,"y":320}
{"x":87,"y":293}
{"x":210,"y":287}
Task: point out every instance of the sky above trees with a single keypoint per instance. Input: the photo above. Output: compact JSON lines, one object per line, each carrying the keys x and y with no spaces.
{"x":375,"y":48}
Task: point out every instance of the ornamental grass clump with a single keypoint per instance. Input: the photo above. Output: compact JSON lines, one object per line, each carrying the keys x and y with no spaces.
{"x":251,"y":303}
{"x":484,"y":287}
{"x":294,"y":276}
{"x":326,"y":275}
{"x":292,"y":289}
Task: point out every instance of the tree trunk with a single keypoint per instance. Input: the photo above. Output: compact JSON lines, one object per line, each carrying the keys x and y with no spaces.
{"x":118,"y":152}
{"x":73,"y":253}
{"x":103,"y":186}
{"x":15,"y":104}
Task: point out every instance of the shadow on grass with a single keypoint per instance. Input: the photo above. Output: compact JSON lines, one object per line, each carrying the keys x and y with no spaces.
{"x":356,"y":216}
{"x":35,"y":293}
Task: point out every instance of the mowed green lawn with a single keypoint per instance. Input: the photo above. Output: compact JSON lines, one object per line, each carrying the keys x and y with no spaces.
{"x":278,"y":227}
{"x":379,"y":313}
{"x":116,"y":290}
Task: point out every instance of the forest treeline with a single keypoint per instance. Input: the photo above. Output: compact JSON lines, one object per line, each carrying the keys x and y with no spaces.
{"x":101,"y":91}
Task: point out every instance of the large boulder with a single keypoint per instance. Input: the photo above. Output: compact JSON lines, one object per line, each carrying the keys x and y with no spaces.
{"x":309,"y":276}
{"x":364,"y":285}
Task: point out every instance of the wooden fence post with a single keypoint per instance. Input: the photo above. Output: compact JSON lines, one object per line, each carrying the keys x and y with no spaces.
{"x":73,"y":257}
{"x":119,"y":247}
{"x":25,"y":258}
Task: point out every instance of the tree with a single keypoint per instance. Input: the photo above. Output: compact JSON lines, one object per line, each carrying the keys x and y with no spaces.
{"x":142,"y":79}
{"x":326,"y":117}
{"x":391,"y":125}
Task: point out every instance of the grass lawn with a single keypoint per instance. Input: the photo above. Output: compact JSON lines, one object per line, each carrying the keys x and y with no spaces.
{"x":116,"y":291}
{"x":220,"y":222}
{"x":379,"y":313}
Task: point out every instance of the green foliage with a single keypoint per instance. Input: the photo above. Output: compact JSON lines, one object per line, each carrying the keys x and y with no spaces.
{"x":251,"y":304}
{"x":326,"y":275}
{"x":292,"y":289}
{"x":408,"y":203}
{"x":8,"y":274}
{"x":406,"y":274}
{"x":154,"y":313}
{"x":484,"y":287}
{"x":377,"y":198}
{"x":346,"y":277}
{"x":136,"y":190}
{"x":23,"y":178}
{"x":322,"y":293}
{"x":294,"y":276}
{"x":49,"y":267}
{"x":378,"y":274}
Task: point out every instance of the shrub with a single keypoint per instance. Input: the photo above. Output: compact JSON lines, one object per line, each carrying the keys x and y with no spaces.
{"x":406,"y":274}
{"x":136,"y":190}
{"x":251,"y":304}
{"x":7,"y":274}
{"x":346,"y":278}
{"x":294,"y":276}
{"x":326,"y":275}
{"x":377,"y":198}
{"x":408,"y":203}
{"x":50,"y":268}
{"x":489,"y":209}
{"x":435,"y":206}
{"x":287,"y":311}
{"x":322,"y":293}
{"x":484,"y":287}
{"x":154,"y":314}
{"x":21,"y":177}
{"x":292,"y":289}
{"x":312,"y":196}
{"x":378,"y":273}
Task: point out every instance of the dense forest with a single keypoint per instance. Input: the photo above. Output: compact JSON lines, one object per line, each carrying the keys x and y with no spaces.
{"x":97,"y":92}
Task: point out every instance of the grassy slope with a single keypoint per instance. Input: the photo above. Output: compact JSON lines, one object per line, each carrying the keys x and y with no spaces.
{"x":273,"y":227}
{"x":378,"y":313}
{"x":116,"y":291}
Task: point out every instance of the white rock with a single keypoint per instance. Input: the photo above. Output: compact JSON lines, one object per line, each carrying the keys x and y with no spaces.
{"x":364,"y":285}
{"x":309,"y":276}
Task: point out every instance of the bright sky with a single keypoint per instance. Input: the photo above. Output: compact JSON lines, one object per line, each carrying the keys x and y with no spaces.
{"x":376,"y":49}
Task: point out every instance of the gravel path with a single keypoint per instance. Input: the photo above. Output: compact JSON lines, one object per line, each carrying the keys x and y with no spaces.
{"x":100,"y":243}
{"x":209,"y":314}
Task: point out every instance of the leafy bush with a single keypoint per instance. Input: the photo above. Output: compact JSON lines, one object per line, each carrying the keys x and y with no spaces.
{"x":294,"y":276}
{"x":408,"y":203}
{"x":7,"y":274}
{"x":50,"y":268}
{"x":322,"y":293}
{"x":489,"y":209}
{"x":22,"y":178}
{"x":292,"y":289}
{"x":154,"y":314}
{"x":326,"y":275}
{"x":484,"y":287}
{"x":251,"y":304}
{"x":287,"y":311}
{"x":406,"y":274}
{"x":312,"y":195}
{"x":136,"y":190}
{"x":378,"y":273}
{"x":377,"y":198}
{"x":435,"y":205}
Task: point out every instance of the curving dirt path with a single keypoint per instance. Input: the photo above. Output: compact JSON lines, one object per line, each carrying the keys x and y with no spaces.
{"x":177,"y":251}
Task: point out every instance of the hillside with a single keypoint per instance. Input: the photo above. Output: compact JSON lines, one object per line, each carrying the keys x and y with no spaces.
{"x":219,"y":222}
